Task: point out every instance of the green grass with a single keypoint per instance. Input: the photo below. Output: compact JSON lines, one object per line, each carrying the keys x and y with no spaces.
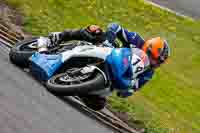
{"x":170,"y":100}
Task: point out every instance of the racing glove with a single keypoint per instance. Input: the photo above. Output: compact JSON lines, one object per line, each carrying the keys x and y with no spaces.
{"x":129,"y":91}
{"x":124,"y":94}
{"x":107,"y":44}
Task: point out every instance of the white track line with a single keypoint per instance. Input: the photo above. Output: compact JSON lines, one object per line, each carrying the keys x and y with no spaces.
{"x":167,"y":9}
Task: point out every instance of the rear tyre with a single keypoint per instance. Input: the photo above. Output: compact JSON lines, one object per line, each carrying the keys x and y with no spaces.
{"x":20,"y":54}
{"x":65,"y":85}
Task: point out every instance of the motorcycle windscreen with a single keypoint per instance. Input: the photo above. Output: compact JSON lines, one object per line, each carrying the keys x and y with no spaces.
{"x":120,"y":63}
{"x":44,"y":66}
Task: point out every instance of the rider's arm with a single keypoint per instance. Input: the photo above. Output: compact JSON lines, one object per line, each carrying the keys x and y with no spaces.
{"x":114,"y":31}
{"x":142,"y":79}
{"x":125,"y":83}
{"x":74,"y":34}
{"x":68,"y":34}
{"x":80,"y":34}
{"x":83,"y":34}
{"x":135,"y":84}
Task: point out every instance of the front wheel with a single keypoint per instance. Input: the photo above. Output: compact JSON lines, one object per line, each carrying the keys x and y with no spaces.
{"x":65,"y":84}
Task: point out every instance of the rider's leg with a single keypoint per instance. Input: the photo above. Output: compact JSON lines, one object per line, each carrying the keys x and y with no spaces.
{"x":91,"y":33}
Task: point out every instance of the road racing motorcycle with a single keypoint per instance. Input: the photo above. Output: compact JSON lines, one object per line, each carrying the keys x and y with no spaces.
{"x":75,"y":67}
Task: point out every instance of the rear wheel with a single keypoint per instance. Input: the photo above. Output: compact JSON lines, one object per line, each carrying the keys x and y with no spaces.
{"x":74,"y":82}
{"x":23,"y":50}
{"x":20,"y":54}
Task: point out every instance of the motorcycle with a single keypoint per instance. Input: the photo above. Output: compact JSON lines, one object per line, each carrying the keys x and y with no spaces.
{"x":75,"y":67}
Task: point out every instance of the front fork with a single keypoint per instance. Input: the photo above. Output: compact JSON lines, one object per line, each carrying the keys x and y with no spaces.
{"x":107,"y":86}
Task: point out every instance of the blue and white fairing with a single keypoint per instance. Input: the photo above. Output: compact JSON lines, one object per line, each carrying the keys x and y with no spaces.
{"x":44,"y":66}
{"x":129,"y":69}
{"x":120,"y":63}
{"x":123,"y":74}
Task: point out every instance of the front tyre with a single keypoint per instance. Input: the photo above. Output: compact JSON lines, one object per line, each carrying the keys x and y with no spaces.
{"x":67,"y":85}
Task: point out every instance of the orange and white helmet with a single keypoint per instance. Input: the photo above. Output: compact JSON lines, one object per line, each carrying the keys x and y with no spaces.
{"x":157,"y":49}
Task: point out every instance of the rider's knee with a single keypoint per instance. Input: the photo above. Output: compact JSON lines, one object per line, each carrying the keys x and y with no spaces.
{"x":114,"y":27}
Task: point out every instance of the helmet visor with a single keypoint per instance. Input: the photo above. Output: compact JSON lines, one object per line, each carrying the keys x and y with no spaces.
{"x":165,"y":53}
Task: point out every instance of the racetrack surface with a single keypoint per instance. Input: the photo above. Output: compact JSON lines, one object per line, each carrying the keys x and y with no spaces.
{"x":27,"y":107}
{"x":186,"y":7}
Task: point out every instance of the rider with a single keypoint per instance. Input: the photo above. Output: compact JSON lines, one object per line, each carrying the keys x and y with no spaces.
{"x":156,"y":49}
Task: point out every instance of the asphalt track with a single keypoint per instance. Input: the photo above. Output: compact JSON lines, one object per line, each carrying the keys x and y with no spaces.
{"x":185,"y":7}
{"x":27,"y":107}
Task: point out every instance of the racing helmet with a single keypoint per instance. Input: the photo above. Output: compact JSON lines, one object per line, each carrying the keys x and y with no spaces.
{"x":157,"y":49}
